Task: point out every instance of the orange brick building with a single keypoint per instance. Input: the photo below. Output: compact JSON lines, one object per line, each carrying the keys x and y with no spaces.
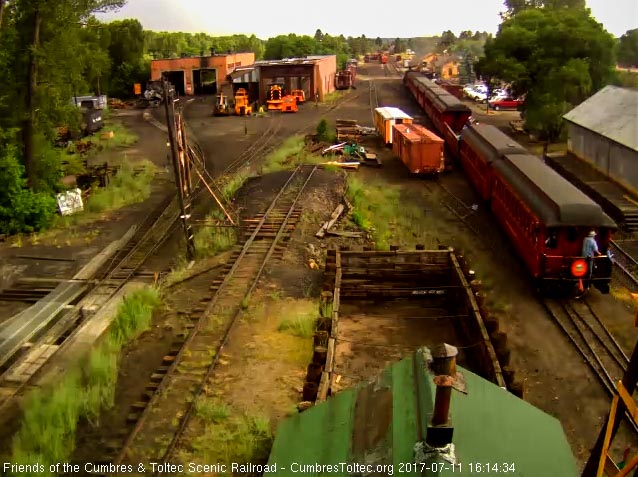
{"x":199,"y":74}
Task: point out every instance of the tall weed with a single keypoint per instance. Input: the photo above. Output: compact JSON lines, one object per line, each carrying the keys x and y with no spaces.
{"x":47,"y":431}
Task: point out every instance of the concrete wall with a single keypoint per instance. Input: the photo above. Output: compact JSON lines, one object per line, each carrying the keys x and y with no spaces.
{"x":617,"y":162}
{"x":224,"y":64}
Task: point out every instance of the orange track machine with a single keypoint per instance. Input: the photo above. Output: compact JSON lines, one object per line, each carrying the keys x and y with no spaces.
{"x":275,"y":98}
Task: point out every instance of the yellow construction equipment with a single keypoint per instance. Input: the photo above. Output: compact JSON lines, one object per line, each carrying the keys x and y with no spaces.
{"x":242,"y":104}
{"x":221,"y":107}
{"x":275,"y":98}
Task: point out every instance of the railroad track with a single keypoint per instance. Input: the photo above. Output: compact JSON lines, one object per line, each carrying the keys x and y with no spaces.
{"x":174,"y":389}
{"x":625,"y":264}
{"x":392,"y":70}
{"x":582,"y":326}
{"x":260,"y":146}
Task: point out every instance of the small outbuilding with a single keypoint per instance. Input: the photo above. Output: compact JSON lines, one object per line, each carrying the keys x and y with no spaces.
{"x":603,"y":131}
{"x":423,"y":416}
{"x":199,"y":74}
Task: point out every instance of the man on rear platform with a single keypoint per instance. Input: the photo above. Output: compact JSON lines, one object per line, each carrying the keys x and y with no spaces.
{"x":590,"y":250}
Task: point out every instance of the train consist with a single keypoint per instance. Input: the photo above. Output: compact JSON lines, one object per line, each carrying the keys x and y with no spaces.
{"x":546,"y":218}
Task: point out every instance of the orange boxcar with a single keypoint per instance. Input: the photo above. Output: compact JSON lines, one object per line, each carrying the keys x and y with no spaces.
{"x":419,"y":148}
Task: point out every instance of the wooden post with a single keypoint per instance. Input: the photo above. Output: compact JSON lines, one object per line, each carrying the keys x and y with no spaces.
{"x":629,"y":382}
{"x":174,"y":142}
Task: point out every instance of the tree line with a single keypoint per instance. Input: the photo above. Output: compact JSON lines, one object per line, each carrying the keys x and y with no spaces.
{"x":552,"y":51}
{"x":555,"y":55}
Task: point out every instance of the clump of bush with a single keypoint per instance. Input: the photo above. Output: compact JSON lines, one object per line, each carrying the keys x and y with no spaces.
{"x":21,"y":210}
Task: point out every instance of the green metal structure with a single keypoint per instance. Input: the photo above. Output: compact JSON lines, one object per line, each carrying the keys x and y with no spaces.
{"x":386,"y":422}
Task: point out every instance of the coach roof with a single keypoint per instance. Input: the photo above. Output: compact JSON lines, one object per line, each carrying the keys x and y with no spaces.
{"x":555,"y":200}
{"x":490,"y":141}
{"x":447,"y":101}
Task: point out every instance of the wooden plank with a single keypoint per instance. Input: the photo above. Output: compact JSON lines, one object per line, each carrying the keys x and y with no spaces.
{"x":344,"y":233}
{"x":610,"y":466}
{"x":331,"y":355}
{"x":333,"y":218}
{"x":628,"y":401}
{"x":322,"y":393}
{"x":476,"y":313}
{"x":607,"y":441}
{"x":373,"y":253}
{"x":631,"y":465}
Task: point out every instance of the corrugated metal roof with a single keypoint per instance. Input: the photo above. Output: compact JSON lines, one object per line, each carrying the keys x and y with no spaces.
{"x":555,"y":200}
{"x":388,"y":112}
{"x":612,"y":112}
{"x":380,"y":422}
{"x":309,"y":60}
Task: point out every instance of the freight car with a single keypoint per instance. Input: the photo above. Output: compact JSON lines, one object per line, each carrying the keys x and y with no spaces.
{"x":544,"y":216}
{"x":419,"y":149}
{"x":385,"y":118}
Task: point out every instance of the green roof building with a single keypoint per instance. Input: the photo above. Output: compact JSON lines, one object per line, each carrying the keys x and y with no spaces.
{"x":399,"y":424}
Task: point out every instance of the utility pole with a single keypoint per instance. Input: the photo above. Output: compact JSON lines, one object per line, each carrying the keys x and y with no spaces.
{"x":629,"y":382}
{"x":179,"y":167}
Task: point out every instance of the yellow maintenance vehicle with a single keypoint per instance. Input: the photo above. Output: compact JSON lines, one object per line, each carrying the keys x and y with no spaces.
{"x":242,"y":103}
{"x":221,"y":107}
{"x":275,"y":98}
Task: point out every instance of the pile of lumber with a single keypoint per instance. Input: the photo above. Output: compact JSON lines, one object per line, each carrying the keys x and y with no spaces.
{"x":347,"y":130}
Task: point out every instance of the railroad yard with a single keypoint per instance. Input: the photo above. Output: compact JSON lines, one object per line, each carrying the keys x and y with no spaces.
{"x":233,"y":344}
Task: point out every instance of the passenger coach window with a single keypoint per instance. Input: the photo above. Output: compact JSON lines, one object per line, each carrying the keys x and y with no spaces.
{"x":552,"y":239}
{"x":572,"y":234}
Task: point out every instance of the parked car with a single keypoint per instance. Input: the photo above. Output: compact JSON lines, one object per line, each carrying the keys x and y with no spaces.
{"x":467,"y":88}
{"x":477,"y":92}
{"x":505,"y":103}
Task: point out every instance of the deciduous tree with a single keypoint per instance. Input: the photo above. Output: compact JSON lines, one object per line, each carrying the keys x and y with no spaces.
{"x":557,"y":58}
{"x":628,"y":49}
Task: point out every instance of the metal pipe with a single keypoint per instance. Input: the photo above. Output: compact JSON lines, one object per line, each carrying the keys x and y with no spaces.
{"x":440,"y":416}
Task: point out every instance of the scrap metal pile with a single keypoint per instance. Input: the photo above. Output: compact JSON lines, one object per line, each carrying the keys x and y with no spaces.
{"x":353,"y":153}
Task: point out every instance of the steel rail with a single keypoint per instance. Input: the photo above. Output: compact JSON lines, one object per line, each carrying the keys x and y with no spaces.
{"x":201,"y":322}
{"x":186,"y":418}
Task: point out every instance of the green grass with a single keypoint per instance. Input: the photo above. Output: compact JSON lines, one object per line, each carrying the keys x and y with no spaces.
{"x":235,"y":438}
{"x":234,"y":184}
{"x":331,"y":98}
{"x":122,"y":137}
{"x":287,"y":156}
{"x":301,"y":325}
{"x":211,"y":240}
{"x":51,"y":415}
{"x":391,"y":219}
{"x":210,"y":410}
{"x":126,"y":187}
{"x":325,"y":310}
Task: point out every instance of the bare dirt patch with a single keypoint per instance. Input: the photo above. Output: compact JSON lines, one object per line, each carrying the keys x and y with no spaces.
{"x":374,"y":335}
